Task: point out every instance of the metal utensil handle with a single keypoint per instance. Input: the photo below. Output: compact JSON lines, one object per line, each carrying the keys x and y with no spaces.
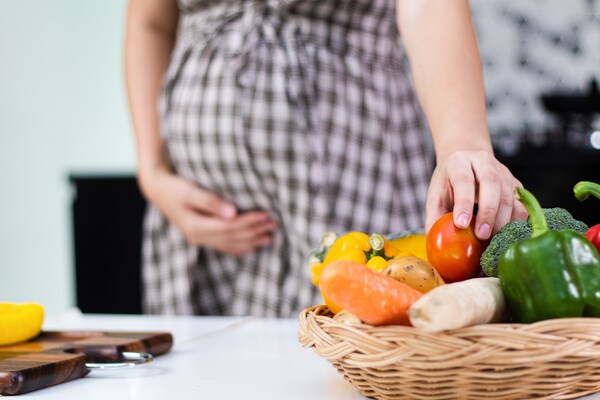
{"x":130,"y":359}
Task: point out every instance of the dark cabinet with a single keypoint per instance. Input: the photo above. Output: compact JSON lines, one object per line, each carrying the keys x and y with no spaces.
{"x":107,"y":215}
{"x":550,"y":174}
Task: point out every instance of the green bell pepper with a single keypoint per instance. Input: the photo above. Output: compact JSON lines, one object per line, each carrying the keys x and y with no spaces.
{"x":552,"y":274}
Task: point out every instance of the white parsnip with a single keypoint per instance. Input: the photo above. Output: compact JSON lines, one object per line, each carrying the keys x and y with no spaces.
{"x":456,"y":305}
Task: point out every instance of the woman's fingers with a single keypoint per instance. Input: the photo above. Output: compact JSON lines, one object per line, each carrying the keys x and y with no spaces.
{"x":463,"y":186}
{"x":236,"y":236}
{"x":474,"y":177}
{"x":207,"y":202}
{"x":207,"y":220}
{"x":252,"y":225}
{"x":498,"y":204}
{"x":452,"y":188}
{"x":519,"y":212}
{"x":491,"y":196}
{"x":439,"y":198}
{"x":435,"y":206}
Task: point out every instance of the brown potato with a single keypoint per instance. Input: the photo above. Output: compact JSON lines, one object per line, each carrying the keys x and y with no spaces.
{"x":415,"y":272}
{"x":347,"y":317}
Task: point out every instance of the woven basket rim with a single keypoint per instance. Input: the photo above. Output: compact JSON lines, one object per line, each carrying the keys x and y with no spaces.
{"x":558,"y":358}
{"x":322,"y":310}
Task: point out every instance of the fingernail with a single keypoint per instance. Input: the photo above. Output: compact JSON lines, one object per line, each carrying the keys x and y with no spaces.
{"x":463,"y":220}
{"x":484,"y":231}
{"x":227,"y":210}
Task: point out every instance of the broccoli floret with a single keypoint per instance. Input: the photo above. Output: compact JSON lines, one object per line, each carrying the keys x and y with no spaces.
{"x":560,"y":219}
{"x":557,"y":219}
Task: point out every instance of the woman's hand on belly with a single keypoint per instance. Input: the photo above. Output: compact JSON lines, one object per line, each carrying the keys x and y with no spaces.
{"x":207,"y":220}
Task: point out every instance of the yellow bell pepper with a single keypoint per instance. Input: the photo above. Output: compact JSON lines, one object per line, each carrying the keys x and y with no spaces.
{"x":352,"y":240}
{"x":389,"y":249}
{"x":20,"y":322}
{"x":414,"y":243}
{"x":334,"y":308}
{"x":404,"y":254}
{"x":327,"y":240}
{"x":351,"y":246}
{"x":315,"y":260}
{"x":352,"y":254}
{"x":377,"y":263}
{"x":380,"y":246}
{"x":315,"y":273}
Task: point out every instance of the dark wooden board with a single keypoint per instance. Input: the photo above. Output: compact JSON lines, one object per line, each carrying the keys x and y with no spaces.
{"x":55,"y":357}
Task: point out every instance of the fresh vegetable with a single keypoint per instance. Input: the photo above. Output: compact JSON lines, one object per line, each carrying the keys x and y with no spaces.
{"x":415,"y":272}
{"x":593,"y":235}
{"x":327,"y":240}
{"x":553,"y":274}
{"x":414,"y":243}
{"x":354,"y":255}
{"x":316,"y":258}
{"x":344,"y":246}
{"x":557,"y":219}
{"x":20,"y":322}
{"x":374,"y":251}
{"x":373,"y":297}
{"x":456,"y":305}
{"x":352,"y":240}
{"x":346,"y":317}
{"x":381,"y":247}
{"x":333,"y":306}
{"x":351,"y":254}
{"x":377,"y":263}
{"x":315,"y":273}
{"x":452,"y":251}
{"x":354,"y":246}
{"x":582,"y":191}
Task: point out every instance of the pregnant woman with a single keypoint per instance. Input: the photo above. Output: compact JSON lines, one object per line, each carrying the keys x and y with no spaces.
{"x":261,"y":124}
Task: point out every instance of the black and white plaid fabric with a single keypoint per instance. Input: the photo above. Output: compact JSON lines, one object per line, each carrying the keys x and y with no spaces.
{"x":303,"y":108}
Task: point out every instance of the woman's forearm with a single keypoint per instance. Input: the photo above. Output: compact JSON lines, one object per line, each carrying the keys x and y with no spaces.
{"x":150,"y":37}
{"x":441,"y":44}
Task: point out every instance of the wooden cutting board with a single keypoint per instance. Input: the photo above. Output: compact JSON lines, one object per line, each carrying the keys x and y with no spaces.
{"x":55,"y":357}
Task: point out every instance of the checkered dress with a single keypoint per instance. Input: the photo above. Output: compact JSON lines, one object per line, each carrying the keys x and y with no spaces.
{"x":302,"y":108}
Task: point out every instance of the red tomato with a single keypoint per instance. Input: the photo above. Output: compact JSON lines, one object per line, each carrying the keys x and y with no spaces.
{"x":454,"y":252}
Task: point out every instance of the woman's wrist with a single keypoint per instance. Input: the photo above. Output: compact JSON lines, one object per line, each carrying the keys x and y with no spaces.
{"x":467,"y":136}
{"x":149,"y":176}
{"x":444,"y":151}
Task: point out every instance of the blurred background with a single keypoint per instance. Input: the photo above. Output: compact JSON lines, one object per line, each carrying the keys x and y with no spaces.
{"x":69,"y":206}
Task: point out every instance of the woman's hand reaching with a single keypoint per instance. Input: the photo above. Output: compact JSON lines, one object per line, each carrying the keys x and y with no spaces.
{"x":468,"y":177}
{"x":441,"y":42}
{"x":205,"y":219}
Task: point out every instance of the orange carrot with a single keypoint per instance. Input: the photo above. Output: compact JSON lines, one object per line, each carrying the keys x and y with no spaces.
{"x":373,"y":297}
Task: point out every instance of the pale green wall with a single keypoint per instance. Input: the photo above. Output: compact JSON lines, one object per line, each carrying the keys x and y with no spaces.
{"x":62,"y":110}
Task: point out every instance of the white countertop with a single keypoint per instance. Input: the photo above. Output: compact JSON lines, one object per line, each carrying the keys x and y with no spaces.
{"x":212,"y":358}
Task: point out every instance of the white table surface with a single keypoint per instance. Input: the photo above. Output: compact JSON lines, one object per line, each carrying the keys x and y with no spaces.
{"x":212,"y":358}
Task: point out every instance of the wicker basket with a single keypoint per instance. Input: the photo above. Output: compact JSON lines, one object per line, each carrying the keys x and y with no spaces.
{"x":553,"y":359}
